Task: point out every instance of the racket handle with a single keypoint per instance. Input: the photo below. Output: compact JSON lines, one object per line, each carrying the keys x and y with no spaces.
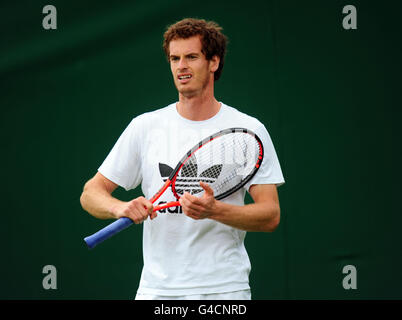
{"x":108,"y":231}
{"x":115,"y":227}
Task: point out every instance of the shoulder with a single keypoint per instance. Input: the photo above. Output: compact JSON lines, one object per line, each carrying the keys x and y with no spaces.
{"x":153,"y":116}
{"x":243,"y":118}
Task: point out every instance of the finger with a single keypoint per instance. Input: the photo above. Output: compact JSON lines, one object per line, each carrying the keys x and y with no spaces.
{"x":154,"y":214}
{"x":193,"y":199}
{"x":146,"y":204}
{"x":187,"y":195}
{"x":144,"y":207}
{"x":193,"y":214}
{"x":136,"y":211}
{"x":184,"y":198}
{"x":191,"y":203}
{"x":137,"y":214}
{"x":142,"y":210}
{"x":208,"y":190}
{"x":149,"y":206}
{"x":137,"y":218}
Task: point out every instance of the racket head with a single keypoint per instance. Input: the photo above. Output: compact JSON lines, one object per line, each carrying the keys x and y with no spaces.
{"x":226,"y":161}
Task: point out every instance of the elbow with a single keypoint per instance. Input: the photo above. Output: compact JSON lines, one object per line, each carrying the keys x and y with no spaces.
{"x":83,"y":198}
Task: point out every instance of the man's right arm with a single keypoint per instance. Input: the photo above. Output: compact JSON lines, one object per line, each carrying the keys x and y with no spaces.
{"x":97,"y":199}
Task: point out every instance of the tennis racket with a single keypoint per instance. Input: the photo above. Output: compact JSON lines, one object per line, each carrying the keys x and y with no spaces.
{"x":226,"y":160}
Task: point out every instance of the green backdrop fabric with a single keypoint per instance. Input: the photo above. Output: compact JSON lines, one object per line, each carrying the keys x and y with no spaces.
{"x":329,"y":97}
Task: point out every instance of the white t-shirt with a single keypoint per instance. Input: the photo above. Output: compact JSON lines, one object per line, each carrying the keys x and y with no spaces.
{"x":184,"y":256}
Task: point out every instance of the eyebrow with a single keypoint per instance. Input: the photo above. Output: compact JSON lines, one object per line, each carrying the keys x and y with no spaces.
{"x":188,"y":54}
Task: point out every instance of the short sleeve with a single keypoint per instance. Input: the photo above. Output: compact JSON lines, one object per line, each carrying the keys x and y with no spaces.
{"x":270,"y":171}
{"x":123,"y":163}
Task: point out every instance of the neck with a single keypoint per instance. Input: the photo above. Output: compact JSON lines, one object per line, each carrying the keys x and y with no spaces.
{"x":198,"y":107}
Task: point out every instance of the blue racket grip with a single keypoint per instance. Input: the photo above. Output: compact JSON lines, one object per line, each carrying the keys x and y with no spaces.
{"x":108,"y":231}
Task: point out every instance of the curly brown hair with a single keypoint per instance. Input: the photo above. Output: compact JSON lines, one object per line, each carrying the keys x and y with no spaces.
{"x":213,"y":41}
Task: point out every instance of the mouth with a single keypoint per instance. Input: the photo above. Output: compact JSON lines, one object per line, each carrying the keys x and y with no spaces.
{"x":184,"y":78}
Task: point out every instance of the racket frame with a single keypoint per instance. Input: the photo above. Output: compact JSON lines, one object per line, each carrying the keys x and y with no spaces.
{"x":175,"y":172}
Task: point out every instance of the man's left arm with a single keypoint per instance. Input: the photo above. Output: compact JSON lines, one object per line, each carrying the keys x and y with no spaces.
{"x":262,"y":215}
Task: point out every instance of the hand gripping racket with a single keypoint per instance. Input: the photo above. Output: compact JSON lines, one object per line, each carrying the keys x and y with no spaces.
{"x":226,"y":160}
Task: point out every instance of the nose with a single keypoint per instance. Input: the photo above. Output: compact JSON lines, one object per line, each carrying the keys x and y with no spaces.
{"x":182,"y":63}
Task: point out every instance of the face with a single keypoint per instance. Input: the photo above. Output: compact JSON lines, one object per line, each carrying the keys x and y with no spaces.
{"x":191,"y":71}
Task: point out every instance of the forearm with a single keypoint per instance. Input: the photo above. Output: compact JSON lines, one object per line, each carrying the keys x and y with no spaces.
{"x":262,"y":216}
{"x":99,"y":203}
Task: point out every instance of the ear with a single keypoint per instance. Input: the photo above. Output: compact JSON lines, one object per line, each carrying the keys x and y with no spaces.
{"x":214,"y":63}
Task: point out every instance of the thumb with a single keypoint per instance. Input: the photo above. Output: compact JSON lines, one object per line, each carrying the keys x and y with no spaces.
{"x":148,"y":206}
{"x":208,"y":190}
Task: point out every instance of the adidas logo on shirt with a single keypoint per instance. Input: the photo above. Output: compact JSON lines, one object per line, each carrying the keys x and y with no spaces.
{"x":188,"y":180}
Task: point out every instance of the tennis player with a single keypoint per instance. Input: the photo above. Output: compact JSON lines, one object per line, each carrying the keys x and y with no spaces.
{"x":195,"y":251}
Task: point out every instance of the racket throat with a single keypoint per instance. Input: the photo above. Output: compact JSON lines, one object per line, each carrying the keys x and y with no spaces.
{"x":161,"y":190}
{"x":167,"y":205}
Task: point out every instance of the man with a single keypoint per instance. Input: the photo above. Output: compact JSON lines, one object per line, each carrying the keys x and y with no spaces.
{"x":195,"y":251}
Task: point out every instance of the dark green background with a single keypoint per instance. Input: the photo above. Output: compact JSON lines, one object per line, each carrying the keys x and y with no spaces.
{"x":329,"y":97}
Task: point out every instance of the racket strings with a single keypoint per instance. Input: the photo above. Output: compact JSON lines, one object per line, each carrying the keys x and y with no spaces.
{"x":223,"y":163}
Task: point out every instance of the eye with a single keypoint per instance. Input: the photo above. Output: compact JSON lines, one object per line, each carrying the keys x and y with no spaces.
{"x":174,"y":58}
